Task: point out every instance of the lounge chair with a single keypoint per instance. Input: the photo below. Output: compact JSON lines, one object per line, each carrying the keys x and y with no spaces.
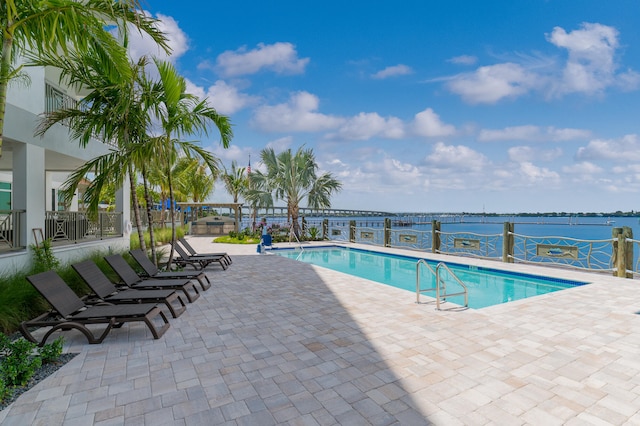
{"x":152,"y":271}
{"x":69,"y":312}
{"x":194,"y":253}
{"x":130,"y":278}
{"x":198,"y":262}
{"x":105,"y":291}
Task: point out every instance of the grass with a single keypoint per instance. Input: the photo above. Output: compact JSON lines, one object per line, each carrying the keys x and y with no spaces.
{"x":162,"y":236}
{"x":19,"y":301}
{"x":235,"y":240}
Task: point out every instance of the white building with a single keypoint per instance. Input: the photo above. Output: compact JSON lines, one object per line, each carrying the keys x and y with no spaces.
{"x":33,"y":168}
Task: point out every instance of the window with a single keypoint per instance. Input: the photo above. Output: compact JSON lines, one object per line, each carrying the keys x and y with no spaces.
{"x":5,"y":196}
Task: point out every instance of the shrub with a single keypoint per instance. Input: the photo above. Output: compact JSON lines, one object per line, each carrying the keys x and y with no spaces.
{"x":51,"y":352}
{"x":161,"y":235}
{"x":18,"y":363}
{"x":44,"y":258}
{"x":314,"y":233}
{"x":5,"y":391}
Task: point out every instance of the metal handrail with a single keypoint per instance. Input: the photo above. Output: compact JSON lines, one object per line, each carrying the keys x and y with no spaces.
{"x":437,"y":288}
{"x":418,"y":289}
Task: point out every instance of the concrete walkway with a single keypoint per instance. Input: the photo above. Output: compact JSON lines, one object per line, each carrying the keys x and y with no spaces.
{"x":275,"y":341}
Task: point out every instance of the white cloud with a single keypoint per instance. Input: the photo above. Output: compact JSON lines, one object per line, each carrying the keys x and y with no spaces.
{"x":396,"y":172}
{"x":227,"y":99}
{"x":140,"y":44}
{"x":281,"y":58}
{"x":584,"y":168}
{"x":534,"y":174}
{"x":510,"y":133}
{"x":626,"y":149}
{"x":194,"y":89}
{"x":532,"y":133}
{"x":456,"y":158}
{"x":493,"y":83}
{"x":233,"y":153}
{"x":393,"y":71}
{"x":365,"y":126}
{"x":427,"y":123}
{"x":591,"y":66}
{"x":521,"y":154}
{"x":280,"y":144}
{"x":297,"y":115}
{"x":559,"y":135}
{"x":463,"y":60}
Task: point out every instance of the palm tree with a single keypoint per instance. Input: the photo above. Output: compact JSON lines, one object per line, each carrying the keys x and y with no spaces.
{"x":235,"y":181}
{"x":112,"y":109}
{"x":293,"y":177}
{"x":35,"y":28}
{"x":196,"y":181}
{"x":181,"y":114}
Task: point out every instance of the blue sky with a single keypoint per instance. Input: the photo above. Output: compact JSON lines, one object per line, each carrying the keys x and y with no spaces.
{"x":424,"y":106}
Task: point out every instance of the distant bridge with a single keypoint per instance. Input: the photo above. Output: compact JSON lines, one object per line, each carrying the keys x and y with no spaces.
{"x":309,"y":212}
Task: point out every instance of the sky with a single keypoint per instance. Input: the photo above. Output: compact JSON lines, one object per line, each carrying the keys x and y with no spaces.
{"x":495,"y":106}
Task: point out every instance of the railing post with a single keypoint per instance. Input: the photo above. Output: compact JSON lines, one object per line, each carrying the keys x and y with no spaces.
{"x":435,"y":236}
{"x":352,"y":231}
{"x":628,"y":235}
{"x":507,"y":242}
{"x":387,"y":232}
{"x":325,"y":229}
{"x":622,"y":251}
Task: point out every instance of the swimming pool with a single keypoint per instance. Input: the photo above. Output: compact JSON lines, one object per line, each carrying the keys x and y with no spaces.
{"x":486,"y":286}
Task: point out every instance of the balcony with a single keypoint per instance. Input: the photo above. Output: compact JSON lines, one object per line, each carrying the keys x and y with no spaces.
{"x":56,"y":99}
{"x":61,"y":227}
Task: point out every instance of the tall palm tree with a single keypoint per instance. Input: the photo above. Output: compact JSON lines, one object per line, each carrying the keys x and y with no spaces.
{"x":113,"y":109}
{"x":181,"y":114}
{"x":293,"y":177}
{"x":38,"y":27}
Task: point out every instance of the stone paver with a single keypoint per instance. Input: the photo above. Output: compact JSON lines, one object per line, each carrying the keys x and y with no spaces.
{"x":276,"y":341}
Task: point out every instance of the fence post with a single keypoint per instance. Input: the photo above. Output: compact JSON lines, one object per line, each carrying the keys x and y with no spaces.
{"x":507,"y":242}
{"x":352,"y":231}
{"x":325,"y":229}
{"x":628,"y":235}
{"x":387,"y":232}
{"x":622,"y":251}
{"x":435,"y":236}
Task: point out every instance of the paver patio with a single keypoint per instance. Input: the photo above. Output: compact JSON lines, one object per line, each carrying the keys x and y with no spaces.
{"x":275,"y":341}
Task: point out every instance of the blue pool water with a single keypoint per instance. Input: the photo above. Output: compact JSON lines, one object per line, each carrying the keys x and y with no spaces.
{"x":487,"y":287}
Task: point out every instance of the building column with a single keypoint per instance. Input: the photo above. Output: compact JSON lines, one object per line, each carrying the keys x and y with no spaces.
{"x":123,"y":204}
{"x":29,"y":188}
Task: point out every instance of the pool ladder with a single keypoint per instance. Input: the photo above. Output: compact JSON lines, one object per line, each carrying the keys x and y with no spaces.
{"x":441,"y":285}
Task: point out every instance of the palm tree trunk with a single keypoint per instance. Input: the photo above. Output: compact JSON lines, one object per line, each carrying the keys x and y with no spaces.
{"x":149,"y":202}
{"x":5,"y":66}
{"x":173,"y":223}
{"x":136,"y":210}
{"x":293,"y":210}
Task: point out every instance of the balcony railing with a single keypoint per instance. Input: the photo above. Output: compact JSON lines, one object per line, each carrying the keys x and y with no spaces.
{"x":73,"y":227}
{"x":56,"y":99}
{"x":61,"y":228}
{"x":10,"y":224}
